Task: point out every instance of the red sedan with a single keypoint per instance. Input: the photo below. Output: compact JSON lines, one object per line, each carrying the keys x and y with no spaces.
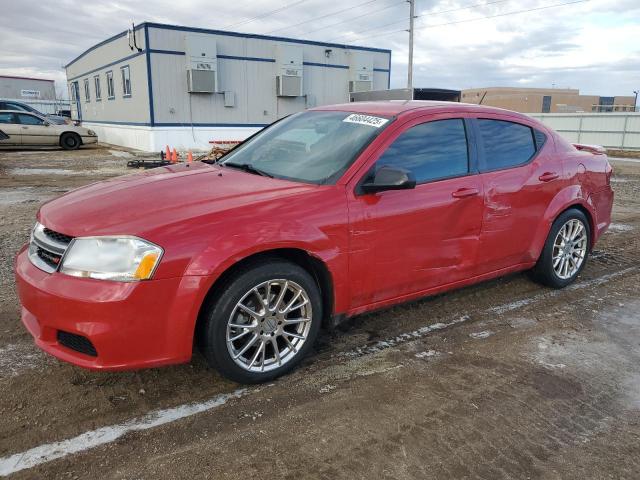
{"x":323,"y":215}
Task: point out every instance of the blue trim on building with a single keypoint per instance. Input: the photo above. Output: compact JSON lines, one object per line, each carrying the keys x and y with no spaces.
{"x":98,"y":45}
{"x":162,"y":26}
{"x":107,"y":65}
{"x":135,"y":124}
{"x":329,"y":65}
{"x":166,"y":52}
{"x":149,"y":80}
{"x":250,"y":59}
{"x":389,"y":76}
{"x":185,"y":125}
{"x":189,"y":125}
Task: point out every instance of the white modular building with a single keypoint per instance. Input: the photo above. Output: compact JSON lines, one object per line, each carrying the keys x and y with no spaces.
{"x":186,"y":87}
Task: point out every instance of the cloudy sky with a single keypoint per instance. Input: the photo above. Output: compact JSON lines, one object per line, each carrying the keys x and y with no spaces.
{"x":593,"y":45}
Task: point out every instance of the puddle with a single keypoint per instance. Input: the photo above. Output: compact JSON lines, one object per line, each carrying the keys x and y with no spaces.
{"x":610,"y":352}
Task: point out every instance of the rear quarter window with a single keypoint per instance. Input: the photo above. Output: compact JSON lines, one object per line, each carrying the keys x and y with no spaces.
{"x":505,"y":144}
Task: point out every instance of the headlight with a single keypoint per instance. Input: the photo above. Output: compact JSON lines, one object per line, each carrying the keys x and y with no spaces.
{"x":123,"y":259}
{"x":91,"y":133}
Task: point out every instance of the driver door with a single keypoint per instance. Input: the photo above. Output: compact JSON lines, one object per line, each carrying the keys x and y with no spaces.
{"x":36,"y":131}
{"x":405,"y":242}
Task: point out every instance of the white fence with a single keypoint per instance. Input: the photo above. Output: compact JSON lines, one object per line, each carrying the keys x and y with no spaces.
{"x":44,"y":106}
{"x":612,"y":130}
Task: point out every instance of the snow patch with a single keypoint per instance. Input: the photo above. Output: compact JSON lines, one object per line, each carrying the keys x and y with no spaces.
{"x":480,"y":335}
{"x":428,"y":353}
{"x":620,"y":227}
{"x":94,"y":438}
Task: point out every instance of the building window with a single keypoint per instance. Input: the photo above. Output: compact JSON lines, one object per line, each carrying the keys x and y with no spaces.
{"x":96,"y":81}
{"x":546,"y":104}
{"x":87,"y":93}
{"x":126,"y":81}
{"x":74,"y":94}
{"x":110,"y":90}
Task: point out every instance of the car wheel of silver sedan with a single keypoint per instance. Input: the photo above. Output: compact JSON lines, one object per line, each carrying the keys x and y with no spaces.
{"x":263,"y":323}
{"x":565,"y":252}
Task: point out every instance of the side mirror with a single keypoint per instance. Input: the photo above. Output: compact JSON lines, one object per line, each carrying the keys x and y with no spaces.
{"x":46,"y":124}
{"x":390,"y":178}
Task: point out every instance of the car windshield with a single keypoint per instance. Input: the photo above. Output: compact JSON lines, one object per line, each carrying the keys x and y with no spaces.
{"x":311,"y":147}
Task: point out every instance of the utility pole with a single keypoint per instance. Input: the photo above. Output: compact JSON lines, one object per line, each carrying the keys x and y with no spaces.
{"x":635,"y":102}
{"x":412,"y":4}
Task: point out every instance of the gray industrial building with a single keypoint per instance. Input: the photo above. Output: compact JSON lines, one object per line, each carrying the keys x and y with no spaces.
{"x":26,"y":88}
{"x":186,"y":87}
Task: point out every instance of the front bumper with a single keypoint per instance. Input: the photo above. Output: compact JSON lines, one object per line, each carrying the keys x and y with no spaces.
{"x":86,"y":139}
{"x":131,"y":325}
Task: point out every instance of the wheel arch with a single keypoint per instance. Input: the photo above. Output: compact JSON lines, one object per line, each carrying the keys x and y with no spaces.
{"x":316,"y":267}
{"x":66,"y":132}
{"x":556,"y":208}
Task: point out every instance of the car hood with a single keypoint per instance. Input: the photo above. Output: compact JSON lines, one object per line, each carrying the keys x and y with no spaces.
{"x":145,"y":202}
{"x":56,"y":119}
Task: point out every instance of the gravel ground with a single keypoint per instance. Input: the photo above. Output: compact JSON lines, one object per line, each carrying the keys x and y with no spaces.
{"x":505,"y":379}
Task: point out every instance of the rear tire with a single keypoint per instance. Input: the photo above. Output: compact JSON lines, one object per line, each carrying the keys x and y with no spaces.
{"x":566,"y":250}
{"x":70,"y":141}
{"x":251,"y":308}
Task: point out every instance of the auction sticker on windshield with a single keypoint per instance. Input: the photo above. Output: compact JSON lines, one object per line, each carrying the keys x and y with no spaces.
{"x":369,"y":120}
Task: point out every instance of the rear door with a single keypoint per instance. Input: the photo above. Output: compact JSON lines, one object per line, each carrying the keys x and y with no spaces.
{"x":36,"y":131}
{"x":520,"y":177}
{"x":10,"y":131}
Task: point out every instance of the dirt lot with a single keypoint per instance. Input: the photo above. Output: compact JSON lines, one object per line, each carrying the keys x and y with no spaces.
{"x":501,"y":380}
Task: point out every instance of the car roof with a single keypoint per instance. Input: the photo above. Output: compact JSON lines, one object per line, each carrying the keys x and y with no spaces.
{"x":397,"y":107}
{"x":22,"y":112}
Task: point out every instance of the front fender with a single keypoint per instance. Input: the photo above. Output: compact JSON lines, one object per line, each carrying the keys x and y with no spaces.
{"x":572,"y":195}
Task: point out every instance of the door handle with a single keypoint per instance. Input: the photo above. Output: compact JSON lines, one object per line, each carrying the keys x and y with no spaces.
{"x":548,"y":176}
{"x":465,"y":192}
{"x":25,"y":128}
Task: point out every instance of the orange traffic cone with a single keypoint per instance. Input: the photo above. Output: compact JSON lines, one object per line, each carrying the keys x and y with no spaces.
{"x":167,"y":155}
{"x":174,"y":156}
{"x":189,"y":157}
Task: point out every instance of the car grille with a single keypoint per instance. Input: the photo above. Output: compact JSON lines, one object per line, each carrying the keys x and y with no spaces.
{"x":59,"y":237}
{"x":47,"y":248}
{"x":76,"y":342}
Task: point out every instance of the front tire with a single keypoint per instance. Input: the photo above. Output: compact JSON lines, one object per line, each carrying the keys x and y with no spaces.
{"x":70,"y":141}
{"x":566,"y":250}
{"x":263,"y":322}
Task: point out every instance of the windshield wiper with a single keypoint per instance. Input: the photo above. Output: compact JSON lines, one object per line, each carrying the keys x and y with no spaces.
{"x":247,"y":167}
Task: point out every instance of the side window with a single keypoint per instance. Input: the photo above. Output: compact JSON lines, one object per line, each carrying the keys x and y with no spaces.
{"x":506,"y":144}
{"x":87,"y":92}
{"x":6,"y":117}
{"x":16,"y":106}
{"x":126,"y":81}
{"x":431,"y":151}
{"x":29,"y":119}
{"x":96,"y":81}
{"x":110,"y":89}
{"x":541,"y":139}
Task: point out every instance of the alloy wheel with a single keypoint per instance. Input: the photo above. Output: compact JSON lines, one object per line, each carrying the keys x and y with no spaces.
{"x":569,"y":249}
{"x":269,"y":325}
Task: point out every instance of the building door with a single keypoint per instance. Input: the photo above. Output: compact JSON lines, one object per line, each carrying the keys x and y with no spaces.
{"x":546,"y":104}
{"x":76,"y":113}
